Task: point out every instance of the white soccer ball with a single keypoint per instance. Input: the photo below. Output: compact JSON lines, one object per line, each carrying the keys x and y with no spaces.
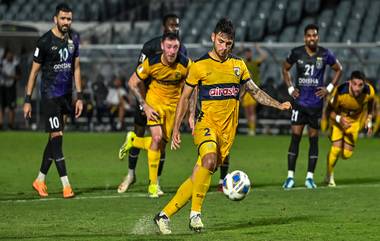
{"x":236,"y":185}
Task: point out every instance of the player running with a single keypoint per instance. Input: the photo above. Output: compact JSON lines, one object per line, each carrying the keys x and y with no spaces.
{"x":352,"y":108}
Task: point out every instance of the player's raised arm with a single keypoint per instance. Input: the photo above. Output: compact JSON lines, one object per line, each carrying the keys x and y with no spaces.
{"x":263,"y":98}
{"x":29,"y":89}
{"x":182,"y":107}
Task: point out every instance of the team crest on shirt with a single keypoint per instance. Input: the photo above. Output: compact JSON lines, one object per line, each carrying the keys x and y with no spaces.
{"x":177,"y":75}
{"x":237,"y":71}
{"x":319,"y":63}
{"x":70,"y":46}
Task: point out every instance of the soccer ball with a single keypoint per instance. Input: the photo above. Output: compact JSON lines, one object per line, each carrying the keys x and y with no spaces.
{"x":236,"y":185}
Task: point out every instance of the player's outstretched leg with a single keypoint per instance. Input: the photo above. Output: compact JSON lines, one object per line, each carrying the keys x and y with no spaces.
{"x":126,"y":145}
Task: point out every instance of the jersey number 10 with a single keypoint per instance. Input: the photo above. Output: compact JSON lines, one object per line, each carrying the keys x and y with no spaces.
{"x":63,"y":54}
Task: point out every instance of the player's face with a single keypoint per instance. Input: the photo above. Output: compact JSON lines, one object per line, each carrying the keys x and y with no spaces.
{"x":172,"y":25}
{"x":356,"y":86}
{"x":170,"y":49}
{"x":63,"y":21}
{"x":222,"y":44}
{"x":311,"y":38}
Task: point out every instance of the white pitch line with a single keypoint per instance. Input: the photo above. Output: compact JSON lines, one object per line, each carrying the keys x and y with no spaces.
{"x":145,"y":195}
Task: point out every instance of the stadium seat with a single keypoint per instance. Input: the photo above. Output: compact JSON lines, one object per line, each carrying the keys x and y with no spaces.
{"x":274,"y":23}
{"x":288,"y":34}
{"x":256,"y":30}
{"x":312,"y":6}
{"x":294,"y":12}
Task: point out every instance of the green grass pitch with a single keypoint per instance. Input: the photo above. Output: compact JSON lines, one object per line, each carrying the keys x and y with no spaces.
{"x":349,"y":212}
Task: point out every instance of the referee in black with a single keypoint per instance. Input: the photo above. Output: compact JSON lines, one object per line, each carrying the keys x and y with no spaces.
{"x":57,"y":55}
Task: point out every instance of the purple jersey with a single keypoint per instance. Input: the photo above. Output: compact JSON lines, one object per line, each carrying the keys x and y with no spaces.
{"x":310,"y":73}
{"x":57,"y":59}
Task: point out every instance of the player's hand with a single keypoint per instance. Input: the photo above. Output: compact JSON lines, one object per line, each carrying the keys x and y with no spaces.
{"x":345,"y":123}
{"x":286,"y":106}
{"x":27,"y":110}
{"x":176,"y":140}
{"x":150,"y":113}
{"x":321,"y":92}
{"x":368,"y":126}
{"x":296,"y":93}
{"x":78,"y":108}
{"x":192,"y":122}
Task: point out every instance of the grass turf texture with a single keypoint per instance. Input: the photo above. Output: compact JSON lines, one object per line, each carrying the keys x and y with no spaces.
{"x":348,"y":212}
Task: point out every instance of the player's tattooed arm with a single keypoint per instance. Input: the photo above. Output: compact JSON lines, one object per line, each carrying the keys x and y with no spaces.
{"x":263,"y":98}
{"x":135,"y":84}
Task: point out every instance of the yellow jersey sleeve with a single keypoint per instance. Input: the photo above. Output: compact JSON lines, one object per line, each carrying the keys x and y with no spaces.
{"x":193,"y":75}
{"x":245,"y":75}
{"x":143,"y":70}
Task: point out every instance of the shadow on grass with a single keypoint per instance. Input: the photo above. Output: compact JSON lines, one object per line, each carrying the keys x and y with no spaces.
{"x":257,"y":222}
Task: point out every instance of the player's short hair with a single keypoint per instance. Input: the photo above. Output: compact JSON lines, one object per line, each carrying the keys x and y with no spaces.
{"x":311,"y":26}
{"x":167,"y":17}
{"x":225,"y":25}
{"x":64,"y":7}
{"x":357,"y":74}
{"x":170,"y":36}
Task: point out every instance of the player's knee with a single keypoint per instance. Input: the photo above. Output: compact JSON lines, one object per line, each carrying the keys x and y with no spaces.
{"x":296,"y":139}
{"x":209,"y":161}
{"x":156,"y":138}
{"x":335,"y":150}
{"x":55,"y":134}
{"x":346,"y":154}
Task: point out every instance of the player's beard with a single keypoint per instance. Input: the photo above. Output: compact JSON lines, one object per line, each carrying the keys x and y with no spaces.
{"x":63,"y":28}
{"x":222,"y":54}
{"x":312,"y":45}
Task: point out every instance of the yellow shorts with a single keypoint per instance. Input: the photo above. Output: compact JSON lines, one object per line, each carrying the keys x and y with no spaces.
{"x":205,"y":133}
{"x":166,"y":120}
{"x":248,"y":100}
{"x":350,"y":135}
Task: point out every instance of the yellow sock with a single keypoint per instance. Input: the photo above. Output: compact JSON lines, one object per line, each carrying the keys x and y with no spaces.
{"x":142,"y":142}
{"x":153,"y":161}
{"x":347,"y":154}
{"x":202,"y":179}
{"x":180,"y":199}
{"x":332,"y":158}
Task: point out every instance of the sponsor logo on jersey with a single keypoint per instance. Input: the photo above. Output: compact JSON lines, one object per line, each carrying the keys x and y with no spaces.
{"x":237,"y":71}
{"x":319,"y":63}
{"x":53,"y":48}
{"x":308,"y":81}
{"x":228,"y":91}
{"x":70,"y":46}
{"x":62,"y":67}
{"x":300,"y":61}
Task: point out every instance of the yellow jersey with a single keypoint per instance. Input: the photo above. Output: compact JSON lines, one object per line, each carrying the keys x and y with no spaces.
{"x":345,"y":104}
{"x":219,"y":86}
{"x":166,"y":81}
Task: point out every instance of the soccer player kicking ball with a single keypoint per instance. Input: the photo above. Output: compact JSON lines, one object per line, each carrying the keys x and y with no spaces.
{"x":167,"y":72}
{"x":57,"y":54}
{"x":352,"y":105}
{"x":220,"y":77}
